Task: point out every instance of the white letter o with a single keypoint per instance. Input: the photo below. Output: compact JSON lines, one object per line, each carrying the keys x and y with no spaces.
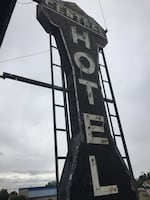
{"x":86,"y":69}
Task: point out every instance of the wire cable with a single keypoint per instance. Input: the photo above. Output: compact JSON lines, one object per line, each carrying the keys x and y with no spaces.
{"x":101,"y":9}
{"x":25,"y":56}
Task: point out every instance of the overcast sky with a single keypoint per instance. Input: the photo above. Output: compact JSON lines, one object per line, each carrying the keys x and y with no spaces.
{"x":26,"y":126}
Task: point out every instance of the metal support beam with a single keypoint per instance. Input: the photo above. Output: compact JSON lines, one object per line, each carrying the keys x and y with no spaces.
{"x":32,"y":82}
{"x":116,"y":112}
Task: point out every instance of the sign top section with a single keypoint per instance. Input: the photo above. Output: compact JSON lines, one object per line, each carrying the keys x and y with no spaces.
{"x":6,"y":10}
{"x":75,"y":14}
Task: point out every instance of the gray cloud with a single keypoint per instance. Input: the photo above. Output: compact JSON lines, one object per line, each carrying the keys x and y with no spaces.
{"x":34,"y":172}
{"x":2,"y":154}
{"x":23,"y":180}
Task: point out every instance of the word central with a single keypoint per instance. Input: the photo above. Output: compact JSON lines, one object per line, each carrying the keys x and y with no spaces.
{"x":74,"y":16}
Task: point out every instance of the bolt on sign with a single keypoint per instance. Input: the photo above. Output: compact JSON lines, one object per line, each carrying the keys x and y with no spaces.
{"x":94,"y":168}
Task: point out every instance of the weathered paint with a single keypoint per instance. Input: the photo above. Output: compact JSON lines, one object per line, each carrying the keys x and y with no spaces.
{"x":94,"y":168}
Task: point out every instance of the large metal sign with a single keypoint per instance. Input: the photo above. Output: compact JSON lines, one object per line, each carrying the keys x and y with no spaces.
{"x":94,"y":168}
{"x":6,"y":10}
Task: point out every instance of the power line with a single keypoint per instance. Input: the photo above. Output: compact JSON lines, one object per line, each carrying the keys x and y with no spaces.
{"x":101,"y":9}
{"x":25,"y":56}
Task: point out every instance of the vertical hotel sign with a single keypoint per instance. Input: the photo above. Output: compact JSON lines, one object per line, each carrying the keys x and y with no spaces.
{"x":94,"y":168}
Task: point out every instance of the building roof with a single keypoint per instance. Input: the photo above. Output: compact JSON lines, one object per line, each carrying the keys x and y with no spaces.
{"x":34,"y":192}
{"x":6,"y":9}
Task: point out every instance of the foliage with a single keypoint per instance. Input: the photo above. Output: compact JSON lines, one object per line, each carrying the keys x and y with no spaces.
{"x":19,"y":197}
{"x":142,"y":178}
{"x":13,"y":193}
{"x":12,"y":196}
{"x":51,"y":184}
{"x":4,"y":194}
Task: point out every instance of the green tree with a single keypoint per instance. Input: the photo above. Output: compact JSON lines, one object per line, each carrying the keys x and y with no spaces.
{"x":13,"y":193}
{"x":51,"y":184}
{"x":19,"y":197}
{"x":4,"y":195}
{"x":142,"y":178}
{"x":14,"y":196}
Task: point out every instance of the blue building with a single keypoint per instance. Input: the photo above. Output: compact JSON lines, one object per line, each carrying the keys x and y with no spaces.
{"x":39,"y":193}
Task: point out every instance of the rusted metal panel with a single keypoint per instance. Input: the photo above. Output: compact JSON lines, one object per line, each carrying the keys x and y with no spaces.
{"x":94,"y":168}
